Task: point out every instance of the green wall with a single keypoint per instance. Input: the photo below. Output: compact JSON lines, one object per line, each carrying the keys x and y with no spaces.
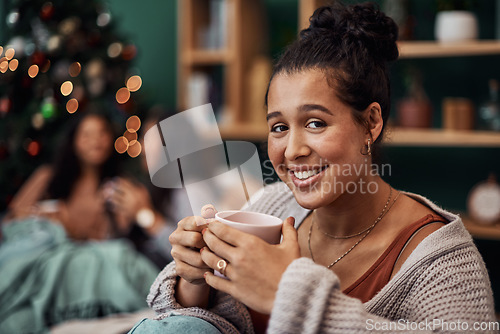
{"x":152,"y":26}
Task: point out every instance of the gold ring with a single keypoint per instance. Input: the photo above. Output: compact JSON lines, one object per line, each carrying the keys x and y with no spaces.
{"x":221,"y":267}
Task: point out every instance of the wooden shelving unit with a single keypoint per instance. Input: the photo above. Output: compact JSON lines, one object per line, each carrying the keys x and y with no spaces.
{"x":206,"y":57}
{"x":244,"y":35}
{"x":306,"y":8}
{"x":439,"y":137}
{"x":482,"y":231}
{"x":433,"y":49}
{"x":244,"y":42}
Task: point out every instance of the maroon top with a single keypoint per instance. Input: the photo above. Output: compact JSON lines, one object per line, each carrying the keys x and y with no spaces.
{"x":379,"y":274}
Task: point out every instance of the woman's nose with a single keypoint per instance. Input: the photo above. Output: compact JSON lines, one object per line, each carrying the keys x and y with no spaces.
{"x":296,"y":146}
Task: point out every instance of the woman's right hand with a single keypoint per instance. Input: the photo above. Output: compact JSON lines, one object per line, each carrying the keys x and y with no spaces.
{"x":187,"y":241}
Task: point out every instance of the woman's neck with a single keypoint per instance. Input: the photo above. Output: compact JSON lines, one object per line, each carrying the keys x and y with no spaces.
{"x":89,"y":175}
{"x":350,"y":213}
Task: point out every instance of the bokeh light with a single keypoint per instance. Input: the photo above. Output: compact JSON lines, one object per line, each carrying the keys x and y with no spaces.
{"x":122,"y":95}
{"x":115,"y":49}
{"x":33,"y":148}
{"x":134,"y":149}
{"x":72,"y":106}
{"x":121,"y":144}
{"x":133,"y":123}
{"x":45,"y":66}
{"x":134,"y":83}
{"x":129,"y":52}
{"x":131,"y":136}
{"x":1,"y":50}
{"x":103,"y":19}
{"x":4,"y":65}
{"x":38,"y":121}
{"x":33,"y":71}
{"x":10,"y":53}
{"x":66,"y":88}
{"x":75,"y":69}
{"x":13,"y":64}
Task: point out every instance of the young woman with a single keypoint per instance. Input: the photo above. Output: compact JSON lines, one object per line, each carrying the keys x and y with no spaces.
{"x":356,"y":254}
{"x":86,"y":191}
{"x":70,"y":190}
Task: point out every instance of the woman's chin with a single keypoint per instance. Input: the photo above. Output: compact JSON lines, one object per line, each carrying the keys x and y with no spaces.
{"x":310,"y":201}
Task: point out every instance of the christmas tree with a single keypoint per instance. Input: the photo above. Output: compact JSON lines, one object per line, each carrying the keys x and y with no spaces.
{"x":57,"y":57}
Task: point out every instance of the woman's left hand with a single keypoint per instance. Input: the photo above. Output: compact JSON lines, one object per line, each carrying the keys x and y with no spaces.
{"x":254,"y":267}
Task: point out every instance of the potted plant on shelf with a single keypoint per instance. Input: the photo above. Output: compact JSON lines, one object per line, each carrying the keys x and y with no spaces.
{"x":455,"y":21}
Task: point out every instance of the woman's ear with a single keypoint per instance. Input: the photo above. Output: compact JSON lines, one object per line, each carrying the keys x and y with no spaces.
{"x":374,"y":120}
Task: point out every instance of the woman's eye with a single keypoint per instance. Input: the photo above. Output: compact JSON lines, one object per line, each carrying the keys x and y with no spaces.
{"x":316,"y":124}
{"x":279,"y":128}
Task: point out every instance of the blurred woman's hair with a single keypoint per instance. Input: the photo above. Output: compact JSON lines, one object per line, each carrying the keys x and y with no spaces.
{"x":66,"y":165}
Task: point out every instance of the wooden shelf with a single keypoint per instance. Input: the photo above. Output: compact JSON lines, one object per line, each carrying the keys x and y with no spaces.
{"x":206,"y":57}
{"x":439,"y":137}
{"x":427,"y":49}
{"x":241,"y":131}
{"x":482,"y":231}
{"x":238,"y":24}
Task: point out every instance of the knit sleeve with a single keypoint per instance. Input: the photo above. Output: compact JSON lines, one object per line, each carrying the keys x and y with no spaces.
{"x":309,"y":300}
{"x":225,"y":313}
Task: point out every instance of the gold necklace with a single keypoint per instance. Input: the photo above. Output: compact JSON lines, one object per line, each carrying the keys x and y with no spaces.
{"x":359,"y":233}
{"x":368,"y":230}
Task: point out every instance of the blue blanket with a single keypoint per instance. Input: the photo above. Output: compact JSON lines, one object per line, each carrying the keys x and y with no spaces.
{"x":45,"y":278}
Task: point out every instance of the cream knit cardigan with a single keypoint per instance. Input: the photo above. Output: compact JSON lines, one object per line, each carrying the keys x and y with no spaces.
{"x":442,"y":287}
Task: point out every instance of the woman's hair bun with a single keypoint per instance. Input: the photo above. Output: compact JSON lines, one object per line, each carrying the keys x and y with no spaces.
{"x":360,"y":25}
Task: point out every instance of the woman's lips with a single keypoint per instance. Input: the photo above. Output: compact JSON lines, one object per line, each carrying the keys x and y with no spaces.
{"x":306,"y":178}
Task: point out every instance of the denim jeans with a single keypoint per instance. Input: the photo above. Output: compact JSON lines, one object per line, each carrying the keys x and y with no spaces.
{"x":178,"y":324}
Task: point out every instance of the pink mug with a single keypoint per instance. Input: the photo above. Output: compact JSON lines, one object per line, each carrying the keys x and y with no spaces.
{"x":262,"y":225}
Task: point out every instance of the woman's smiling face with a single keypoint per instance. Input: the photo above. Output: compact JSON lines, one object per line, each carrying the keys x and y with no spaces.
{"x":314,"y":142}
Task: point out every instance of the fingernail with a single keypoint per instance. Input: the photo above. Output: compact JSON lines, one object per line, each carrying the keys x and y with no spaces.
{"x":205,"y":275}
{"x":203,"y":231}
{"x":208,"y":211}
{"x":201,"y":249}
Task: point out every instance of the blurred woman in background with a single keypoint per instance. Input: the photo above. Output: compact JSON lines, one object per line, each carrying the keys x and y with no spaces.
{"x":70,"y":190}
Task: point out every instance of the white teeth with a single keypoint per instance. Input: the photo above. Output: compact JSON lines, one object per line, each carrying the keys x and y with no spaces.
{"x":305,"y":174}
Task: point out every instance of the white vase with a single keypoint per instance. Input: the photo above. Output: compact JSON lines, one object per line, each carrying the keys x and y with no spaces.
{"x":456,"y":26}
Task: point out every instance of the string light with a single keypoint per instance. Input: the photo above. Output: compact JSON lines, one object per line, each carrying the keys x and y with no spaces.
{"x":33,"y":71}
{"x":131,"y":136}
{"x":134,"y":149}
{"x":13,"y":64}
{"x":121,"y":144}
{"x":33,"y":148}
{"x":129,"y":52}
{"x":133,"y":123}
{"x":45,"y":66}
{"x":72,"y":106}
{"x":115,"y":49}
{"x":134,"y":83}
{"x":66,"y":88}
{"x":75,"y":69}
{"x":10,"y":53}
{"x":4,"y":65}
{"x":37,"y":121}
{"x":122,"y":95}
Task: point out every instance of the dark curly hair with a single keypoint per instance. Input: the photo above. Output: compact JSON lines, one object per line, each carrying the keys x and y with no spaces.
{"x":66,"y":165}
{"x":353,"y":46}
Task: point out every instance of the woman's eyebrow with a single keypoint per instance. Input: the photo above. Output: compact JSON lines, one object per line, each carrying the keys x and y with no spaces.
{"x":310,"y":107}
{"x":273,"y":114}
